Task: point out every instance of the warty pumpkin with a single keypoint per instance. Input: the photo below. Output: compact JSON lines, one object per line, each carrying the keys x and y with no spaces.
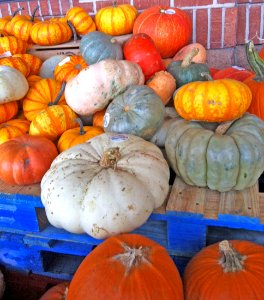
{"x":25,"y":159}
{"x":127,"y":176}
{"x":222,"y":161}
{"x":226,"y":270}
{"x":140,"y":269}
{"x":13,"y":128}
{"x":8,"y":111}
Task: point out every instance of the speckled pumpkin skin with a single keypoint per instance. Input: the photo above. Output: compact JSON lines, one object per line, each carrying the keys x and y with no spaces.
{"x":233,"y":161}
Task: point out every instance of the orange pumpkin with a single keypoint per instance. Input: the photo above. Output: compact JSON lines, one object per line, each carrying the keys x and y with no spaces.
{"x":13,"y":128}
{"x":12,"y":45}
{"x":77,"y":136}
{"x":98,"y":118}
{"x":32,"y":61}
{"x":200,"y":57}
{"x":42,"y":94}
{"x":32,"y":79}
{"x":57,"y":292}
{"x":17,"y":63}
{"x":130,"y":267}
{"x":261,"y":53}
{"x":5,"y":24}
{"x":226,"y":270}
{"x":8,"y":111}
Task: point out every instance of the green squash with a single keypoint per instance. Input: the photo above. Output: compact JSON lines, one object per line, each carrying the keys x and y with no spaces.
{"x":223,"y":162}
{"x":185,"y":71}
{"x":138,"y":111}
{"x":96,"y":46}
{"x":47,"y":68}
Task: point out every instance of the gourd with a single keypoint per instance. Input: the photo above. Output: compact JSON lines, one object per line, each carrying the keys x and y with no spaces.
{"x":96,"y":46}
{"x":13,"y":128}
{"x":222,"y":161}
{"x":32,"y":79}
{"x":235,"y":269}
{"x":100,"y":83}
{"x":199,"y":58}
{"x":169,"y":27}
{"x":25,"y":159}
{"x":127,"y":177}
{"x":133,"y":261}
{"x":47,"y":68}
{"x":137,"y":111}
{"x":13,"y":84}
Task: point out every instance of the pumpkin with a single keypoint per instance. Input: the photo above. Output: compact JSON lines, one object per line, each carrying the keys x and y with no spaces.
{"x":116,"y":19}
{"x":127,"y":177}
{"x":13,"y":84}
{"x":98,"y":118}
{"x":8,"y":111}
{"x":34,"y":63}
{"x":163,"y":84}
{"x":185,"y":71}
{"x":5,"y":24}
{"x":169,"y":27}
{"x":141,"y":49}
{"x":166,"y":62}
{"x":138,"y":111}
{"x":96,"y":46}
{"x":256,"y":84}
{"x":222,"y":161}
{"x":77,"y":135}
{"x":12,"y":45}
{"x":57,"y":292}
{"x":32,"y":79}
{"x":99,"y":83}
{"x":17,"y":63}
{"x":48,"y":66}
{"x":234,"y":268}
{"x":140,"y":269}
{"x":41,"y":95}
{"x":261,"y":53}
{"x":233,"y":72}
{"x":199,"y":58}
{"x":69,"y":67}
{"x":13,"y":128}
{"x":81,"y":20}
{"x":25,"y":159}
{"x":212,"y":101}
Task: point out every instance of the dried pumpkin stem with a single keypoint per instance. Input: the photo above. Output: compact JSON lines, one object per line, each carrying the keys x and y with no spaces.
{"x":17,"y":11}
{"x":231,"y":260}
{"x":223,"y":127}
{"x":255,"y":61}
{"x":34,"y":13}
{"x":73,"y":31}
{"x":207,"y":76}
{"x":57,"y":99}
{"x":110,"y":158}
{"x":188,"y":58}
{"x":79,"y":121}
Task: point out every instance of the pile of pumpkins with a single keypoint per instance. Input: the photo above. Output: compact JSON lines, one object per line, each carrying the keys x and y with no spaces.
{"x":109,"y":111}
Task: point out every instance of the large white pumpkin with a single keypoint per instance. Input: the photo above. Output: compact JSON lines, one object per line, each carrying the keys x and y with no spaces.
{"x":106,"y":186}
{"x":13,"y":84}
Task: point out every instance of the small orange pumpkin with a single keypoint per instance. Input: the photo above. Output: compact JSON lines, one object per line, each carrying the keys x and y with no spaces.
{"x":5,"y":22}
{"x":17,"y":63}
{"x":12,"y":45}
{"x":98,"y":118}
{"x":13,"y":128}
{"x":8,"y":111}
{"x":32,"y":79}
{"x":32,"y":61}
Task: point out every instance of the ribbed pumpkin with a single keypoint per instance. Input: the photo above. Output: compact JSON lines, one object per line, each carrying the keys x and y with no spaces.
{"x":53,"y":121}
{"x":69,"y":68}
{"x":212,"y":101}
{"x":25,"y":159}
{"x":5,"y":24}
{"x":226,"y":270}
{"x":261,"y":53}
{"x":42,"y":94}
{"x":98,"y":118}
{"x":48,"y":66}
{"x":256,"y":84}
{"x":138,"y":111}
{"x":236,"y":73}
{"x":12,"y":45}
{"x":96,"y":46}
{"x":17,"y":63}
{"x":77,"y":135}
{"x":32,"y":79}
{"x":222,"y":161}
{"x":12,"y":129}
{"x":32,"y":61}
{"x":139,"y":267}
{"x":169,"y":27}
{"x":81,"y":20}
{"x":116,"y":19}
{"x":57,"y":292}
{"x":8,"y":111}
{"x":199,"y":58}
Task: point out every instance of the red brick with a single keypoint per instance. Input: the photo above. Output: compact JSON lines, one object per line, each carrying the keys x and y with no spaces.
{"x":243,"y":1}
{"x":65,"y":6}
{"x":201,"y":26}
{"x":33,"y":5}
{"x":4,"y":9}
{"x":225,"y":1}
{"x":220,"y":58}
{"x":143,"y":4}
{"x":184,"y":3}
{"x":241,"y":24}
{"x":230,"y":27}
{"x":254,"y":22}
{"x":55,"y":7}
{"x":88,"y":7}
{"x":216,"y":28}
{"x":257,"y":1}
{"x":44,"y":8}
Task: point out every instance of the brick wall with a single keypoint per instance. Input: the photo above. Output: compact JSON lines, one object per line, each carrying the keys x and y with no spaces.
{"x":217,"y":24}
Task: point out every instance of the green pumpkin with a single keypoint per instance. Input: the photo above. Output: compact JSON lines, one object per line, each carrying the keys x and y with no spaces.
{"x":223,"y":162}
{"x":185,"y":71}
{"x":138,"y":111}
{"x":96,"y":46}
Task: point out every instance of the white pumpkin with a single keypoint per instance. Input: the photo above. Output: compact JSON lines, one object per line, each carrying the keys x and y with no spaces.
{"x":106,"y":186}
{"x":47,"y":68}
{"x":13,"y":84}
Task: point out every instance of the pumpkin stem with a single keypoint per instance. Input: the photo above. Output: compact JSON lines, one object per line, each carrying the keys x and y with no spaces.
{"x":57,"y":99}
{"x":224,"y":126}
{"x":231,"y":260}
{"x":207,"y":76}
{"x":34,"y":13}
{"x":73,"y":31}
{"x":114,"y":3}
{"x":132,"y":257}
{"x":79,"y":121}
{"x":255,"y":61}
{"x":17,"y":11}
{"x":110,"y":158}
{"x":188,"y":58}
